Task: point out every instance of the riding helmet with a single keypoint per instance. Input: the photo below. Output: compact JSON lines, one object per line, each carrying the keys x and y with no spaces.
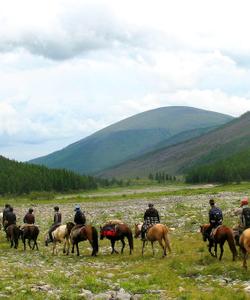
{"x":244,"y":201}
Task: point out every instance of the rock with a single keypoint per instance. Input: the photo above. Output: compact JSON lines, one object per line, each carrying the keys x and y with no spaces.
{"x":86,"y":294}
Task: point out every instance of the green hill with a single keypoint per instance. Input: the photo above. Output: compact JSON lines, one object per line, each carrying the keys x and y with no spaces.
{"x":20,"y":178}
{"x":132,"y":137}
{"x":213,"y":146}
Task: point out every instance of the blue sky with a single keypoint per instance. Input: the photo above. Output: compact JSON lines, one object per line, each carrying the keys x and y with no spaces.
{"x":69,"y":68}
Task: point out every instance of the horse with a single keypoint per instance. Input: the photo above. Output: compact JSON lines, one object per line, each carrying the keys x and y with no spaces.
{"x":59,"y":235}
{"x":117,"y":231}
{"x":13,"y":234}
{"x":83,"y":233}
{"x":29,"y":232}
{"x":157,"y":232}
{"x":245,"y":245}
{"x":222,"y":234}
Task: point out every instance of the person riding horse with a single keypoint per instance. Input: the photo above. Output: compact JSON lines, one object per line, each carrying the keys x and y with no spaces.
{"x":79,"y":218}
{"x":215,"y":218}
{"x":5,"y":212}
{"x":10,"y":217}
{"x":57,"y":223}
{"x":151,"y":217}
{"x":244,"y":218}
{"x":29,"y":218}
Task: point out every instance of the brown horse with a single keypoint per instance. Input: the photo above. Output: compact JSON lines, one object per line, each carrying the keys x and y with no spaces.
{"x":83,"y":233}
{"x":29,"y":232}
{"x":222,"y":234}
{"x":157,"y":232}
{"x":117,"y":232}
{"x":245,"y":245}
{"x":13,"y":234}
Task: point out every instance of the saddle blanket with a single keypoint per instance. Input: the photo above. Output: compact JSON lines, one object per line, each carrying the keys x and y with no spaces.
{"x":109,"y":231}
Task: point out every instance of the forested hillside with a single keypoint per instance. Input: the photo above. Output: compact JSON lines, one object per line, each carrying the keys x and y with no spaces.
{"x":235,"y":168}
{"x":19,"y":178}
{"x":132,"y":137}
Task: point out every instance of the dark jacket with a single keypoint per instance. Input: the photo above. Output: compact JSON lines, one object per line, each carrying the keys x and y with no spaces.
{"x":57,"y":218}
{"x":5,"y":212}
{"x":29,"y":218}
{"x":11,"y":218}
{"x":151,"y":216}
{"x":215,"y":216}
{"x":79,"y":218}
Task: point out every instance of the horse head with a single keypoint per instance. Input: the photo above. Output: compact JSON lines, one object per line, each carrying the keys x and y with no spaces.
{"x":137,"y":230}
{"x":203,"y":230}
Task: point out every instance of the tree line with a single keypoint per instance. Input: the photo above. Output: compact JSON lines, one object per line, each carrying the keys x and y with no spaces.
{"x":161,"y":177}
{"x":233,"y":169}
{"x":23,"y":178}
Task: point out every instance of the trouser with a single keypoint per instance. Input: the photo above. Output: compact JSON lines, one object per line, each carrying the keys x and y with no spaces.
{"x":52,"y":228}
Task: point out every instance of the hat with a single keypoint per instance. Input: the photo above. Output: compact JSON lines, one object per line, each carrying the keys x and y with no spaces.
{"x":56,"y":208}
{"x":150,"y":205}
{"x":211,"y":202}
{"x":244,"y":201}
{"x":77,"y":207}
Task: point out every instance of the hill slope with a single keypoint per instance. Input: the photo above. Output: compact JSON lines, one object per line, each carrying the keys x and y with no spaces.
{"x":132,"y":137}
{"x":218,"y":144}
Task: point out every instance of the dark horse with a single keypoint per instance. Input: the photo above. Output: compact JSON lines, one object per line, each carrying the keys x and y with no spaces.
{"x":29,"y":232}
{"x":117,"y":233}
{"x":222,"y":234}
{"x":83,"y":233}
{"x":13,"y":234}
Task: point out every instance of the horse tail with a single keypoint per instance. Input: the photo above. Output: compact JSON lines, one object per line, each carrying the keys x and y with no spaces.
{"x":166,"y":238}
{"x":231,"y":243}
{"x":95,"y":239}
{"x":130,"y":240}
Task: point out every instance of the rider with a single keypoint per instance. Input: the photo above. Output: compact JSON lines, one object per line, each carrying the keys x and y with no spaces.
{"x":151,"y":216}
{"x":5,"y":212}
{"x":244,"y":222}
{"x":57,"y":222}
{"x":29,"y":218}
{"x":79,"y":218}
{"x":10,"y":217}
{"x":215,"y":218}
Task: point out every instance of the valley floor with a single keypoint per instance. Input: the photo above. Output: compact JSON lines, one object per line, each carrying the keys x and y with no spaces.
{"x":188,"y":272}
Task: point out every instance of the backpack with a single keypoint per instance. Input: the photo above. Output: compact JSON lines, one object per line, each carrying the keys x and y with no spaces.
{"x":246,"y":217}
{"x":216,"y":214}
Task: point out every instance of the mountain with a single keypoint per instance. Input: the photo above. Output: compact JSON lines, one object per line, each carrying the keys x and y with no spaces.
{"x":221,"y":143}
{"x":132,"y":137}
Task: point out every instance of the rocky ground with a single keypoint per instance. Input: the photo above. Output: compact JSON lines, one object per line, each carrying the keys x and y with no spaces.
{"x":187,"y":273}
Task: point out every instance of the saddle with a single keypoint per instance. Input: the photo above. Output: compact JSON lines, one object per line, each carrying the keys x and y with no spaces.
{"x":213,"y":231}
{"x":109,"y":230}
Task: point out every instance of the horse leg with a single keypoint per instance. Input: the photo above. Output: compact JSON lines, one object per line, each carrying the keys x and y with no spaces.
{"x":24,"y":244}
{"x":29,"y":243}
{"x":215,"y":249}
{"x":64,"y":246}
{"x":221,"y":250}
{"x":163,"y":247}
{"x":113,"y":247}
{"x":153,"y":249}
{"x":54,"y":247}
{"x":143,"y":245}
{"x":123,"y":245}
{"x":77,"y":249}
{"x":73,"y":247}
{"x":210,"y":246}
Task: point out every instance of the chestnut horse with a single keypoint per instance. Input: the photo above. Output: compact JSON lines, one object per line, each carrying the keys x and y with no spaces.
{"x":13,"y":234}
{"x":120,"y":232}
{"x":83,"y":233}
{"x":222,"y":234}
{"x":157,"y":232}
{"x":29,"y":232}
{"x":245,"y":245}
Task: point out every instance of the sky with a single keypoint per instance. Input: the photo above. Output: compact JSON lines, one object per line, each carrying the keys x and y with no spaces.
{"x":69,"y":68}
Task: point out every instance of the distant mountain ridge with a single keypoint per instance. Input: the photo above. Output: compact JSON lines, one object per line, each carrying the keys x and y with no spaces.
{"x":132,"y":137}
{"x":216,"y":145}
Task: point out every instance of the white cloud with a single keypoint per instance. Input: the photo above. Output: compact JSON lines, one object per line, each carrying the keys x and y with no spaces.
{"x":69,"y":68}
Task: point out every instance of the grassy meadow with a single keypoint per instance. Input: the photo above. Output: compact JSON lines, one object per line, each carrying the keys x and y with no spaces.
{"x":188,"y":272}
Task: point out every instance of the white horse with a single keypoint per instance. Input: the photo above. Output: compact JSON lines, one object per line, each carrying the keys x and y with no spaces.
{"x":61,"y":235}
